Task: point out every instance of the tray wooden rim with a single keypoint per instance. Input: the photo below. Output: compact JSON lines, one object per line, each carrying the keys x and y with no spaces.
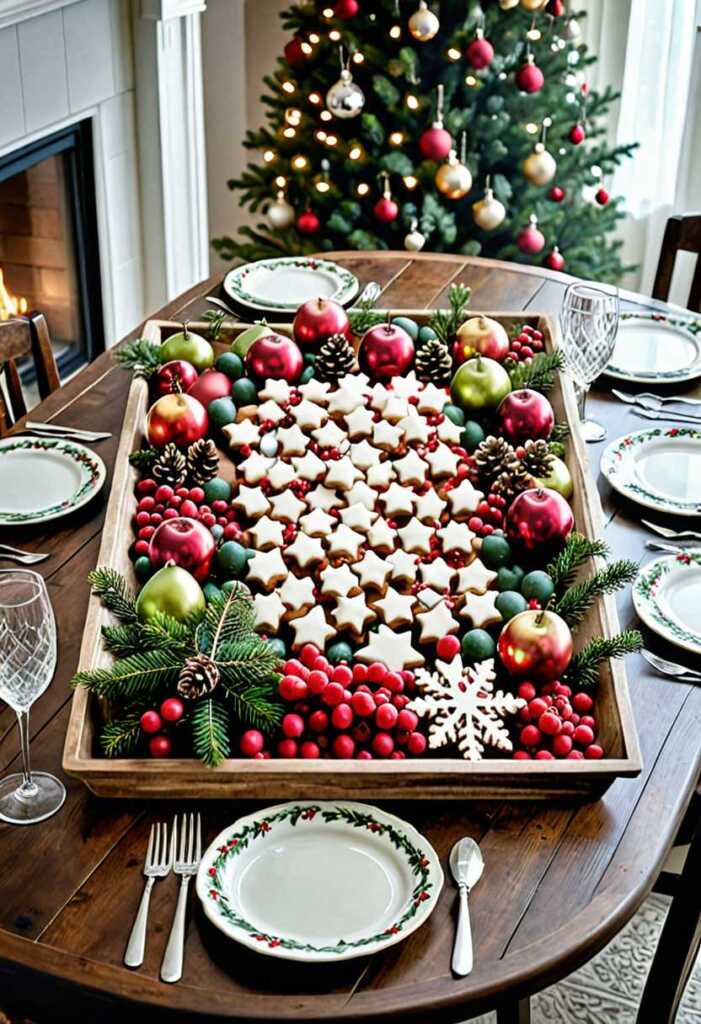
{"x":444,"y":777}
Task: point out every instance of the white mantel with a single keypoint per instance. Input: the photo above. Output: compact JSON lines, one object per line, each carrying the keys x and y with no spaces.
{"x":12,"y":11}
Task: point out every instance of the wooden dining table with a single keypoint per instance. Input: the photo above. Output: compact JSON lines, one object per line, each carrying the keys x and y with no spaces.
{"x":560,"y":880}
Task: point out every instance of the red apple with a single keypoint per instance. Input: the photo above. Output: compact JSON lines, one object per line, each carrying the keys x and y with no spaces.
{"x":318,"y":319}
{"x":386,"y":351}
{"x":209,"y":385}
{"x":274,"y":355}
{"x":539,"y":519}
{"x":177,"y":418}
{"x":184,"y":542}
{"x":525,"y":415}
{"x":177,"y":375}
{"x":480,"y":335}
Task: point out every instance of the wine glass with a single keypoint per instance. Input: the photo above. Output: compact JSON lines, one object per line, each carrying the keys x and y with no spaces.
{"x":589,"y":322}
{"x":27,"y":663}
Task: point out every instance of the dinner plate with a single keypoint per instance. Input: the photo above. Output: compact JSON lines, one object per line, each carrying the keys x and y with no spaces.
{"x":667,"y":597}
{"x":319,"y":881}
{"x":282,"y":285}
{"x":657,"y":348}
{"x":42,"y":478}
{"x":659,"y":468}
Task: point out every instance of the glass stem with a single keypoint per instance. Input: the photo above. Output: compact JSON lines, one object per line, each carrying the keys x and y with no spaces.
{"x":581,"y":393}
{"x":28,"y":788}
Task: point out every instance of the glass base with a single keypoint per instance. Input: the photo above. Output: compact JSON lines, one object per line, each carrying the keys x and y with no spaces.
{"x":592,"y":431}
{"x":26,"y":805}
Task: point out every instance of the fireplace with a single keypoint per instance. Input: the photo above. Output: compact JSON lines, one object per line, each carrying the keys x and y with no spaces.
{"x":49,"y":255}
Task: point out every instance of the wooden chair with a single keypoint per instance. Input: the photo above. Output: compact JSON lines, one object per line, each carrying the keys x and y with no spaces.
{"x":28,"y":336}
{"x":681,"y":233}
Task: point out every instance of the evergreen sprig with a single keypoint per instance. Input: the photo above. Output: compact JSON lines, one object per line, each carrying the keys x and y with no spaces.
{"x":560,"y":433}
{"x":143,"y":458}
{"x":254,"y":706}
{"x":539,"y":374}
{"x":137,"y":675}
{"x":120,"y":736}
{"x":114,"y":593}
{"x":445,"y":322}
{"x":215,"y":318}
{"x":210,"y":731}
{"x":576,"y":601}
{"x":577,"y":550}
{"x":139,"y":356}
{"x":363,"y":316}
{"x":583,"y":670}
{"x":227,"y":619}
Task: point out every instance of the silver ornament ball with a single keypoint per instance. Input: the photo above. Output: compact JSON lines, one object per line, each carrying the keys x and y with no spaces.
{"x":345,"y":99}
{"x":280,"y":214}
{"x":423,"y":24}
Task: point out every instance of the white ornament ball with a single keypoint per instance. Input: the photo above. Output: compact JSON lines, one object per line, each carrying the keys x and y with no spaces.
{"x":540,"y":167}
{"x":268,"y":445}
{"x":573,"y":30}
{"x":488,"y":213}
{"x":280,"y":213}
{"x":345,"y":99}
{"x":414,"y":241}
{"x":423,"y":24}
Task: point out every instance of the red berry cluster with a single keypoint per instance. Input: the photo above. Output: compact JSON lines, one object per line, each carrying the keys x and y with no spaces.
{"x":342,"y":712}
{"x":525,"y":344}
{"x":152,"y":723}
{"x":558,"y":724}
{"x":489,"y":515}
{"x":161,"y":501}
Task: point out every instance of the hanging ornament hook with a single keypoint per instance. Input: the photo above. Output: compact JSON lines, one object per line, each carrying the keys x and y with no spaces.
{"x":463,"y":148}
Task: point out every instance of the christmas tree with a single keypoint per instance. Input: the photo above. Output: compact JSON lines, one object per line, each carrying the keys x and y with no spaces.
{"x":396,"y":125}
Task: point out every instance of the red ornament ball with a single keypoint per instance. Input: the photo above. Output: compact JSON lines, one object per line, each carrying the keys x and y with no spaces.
{"x":577,"y":134}
{"x":447,"y":647}
{"x":251,"y":743}
{"x":172,"y":709}
{"x":530,"y":239}
{"x":385,"y":210}
{"x":160,"y":746}
{"x":386,"y":351}
{"x":557,"y":193}
{"x":294,"y":54}
{"x":480,"y":53}
{"x":308,"y":223}
{"x":555,"y":260}
{"x":185,"y":542}
{"x":602,"y":197}
{"x":524,"y":415}
{"x":346,"y":9}
{"x":276,"y":356}
{"x":539,"y":519}
{"x":556,"y":8}
{"x":210,"y":384}
{"x":150,"y":722}
{"x":529,"y":78}
{"x":435,"y":144}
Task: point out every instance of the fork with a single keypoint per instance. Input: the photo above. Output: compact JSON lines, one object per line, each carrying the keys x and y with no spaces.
{"x":185,"y":864}
{"x":665,"y":531}
{"x":24,"y":557}
{"x":651,"y":401}
{"x":157,"y":865}
{"x":672,"y":415}
{"x":57,"y":430}
{"x":670,"y":668}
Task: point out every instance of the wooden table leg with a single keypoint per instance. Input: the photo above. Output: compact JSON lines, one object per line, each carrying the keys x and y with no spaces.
{"x":515,"y":1011}
{"x":679,"y":943}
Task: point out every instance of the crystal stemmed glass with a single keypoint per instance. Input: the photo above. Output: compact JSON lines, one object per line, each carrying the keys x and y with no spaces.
{"x":589,"y":322}
{"x":27,"y":663}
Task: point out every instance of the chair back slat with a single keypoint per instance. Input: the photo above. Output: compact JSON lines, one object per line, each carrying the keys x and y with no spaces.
{"x":682,"y":234}
{"x":24,"y":337}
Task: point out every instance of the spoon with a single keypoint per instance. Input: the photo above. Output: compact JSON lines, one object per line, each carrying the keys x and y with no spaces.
{"x":466,"y":865}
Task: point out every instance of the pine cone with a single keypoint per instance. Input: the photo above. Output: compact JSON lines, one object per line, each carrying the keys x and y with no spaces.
{"x":492,"y":457}
{"x":512,"y":480}
{"x":537,"y":458}
{"x":169,"y":467}
{"x":202,"y":461}
{"x":336,"y":358}
{"x":434,"y":363}
{"x":198,"y":677}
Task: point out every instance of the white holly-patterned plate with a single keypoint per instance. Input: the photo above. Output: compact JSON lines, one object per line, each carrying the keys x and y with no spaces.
{"x":319,"y":881}
{"x":656,"y":348}
{"x":282,"y":285}
{"x":43,"y":478}
{"x":659,"y":468}
{"x":667,"y":597}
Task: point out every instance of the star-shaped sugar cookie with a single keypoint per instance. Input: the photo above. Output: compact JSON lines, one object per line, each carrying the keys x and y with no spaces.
{"x":286,"y":506}
{"x":364,"y":455}
{"x":309,"y":467}
{"x":416,"y":536}
{"x":315,"y":391}
{"x":372,"y":571}
{"x":397,"y":500}
{"x":323,"y":498}
{"x":411,"y":469}
{"x":252,"y":500}
{"x":266,"y":533}
{"x":415,"y":428}
{"x":396,"y":609}
{"x":308,"y":415}
{"x":269,"y":610}
{"x":456,"y":537}
{"x":346,"y":398}
{"x":271,"y":411}
{"x":386,"y":435}
{"x":381,"y":535}
{"x":312,"y":628}
{"x":437,"y":574}
{"x":464,"y":498}
{"x":443,"y":461}
{"x":317,"y":523}
{"x":480,"y":609}
{"x":255,"y":467}
{"x":448,"y":431}
{"x":360,"y":423}
{"x":337,"y":581}
{"x":429,"y":506}
{"x":344,"y":543}
{"x":432,"y":399}
{"x":436,"y":623}
{"x":475,"y":576}
{"x":245,"y":432}
{"x":267,"y":568}
{"x":280,"y":475}
{"x":293,"y":441}
{"x":358,"y":517}
{"x":381,"y":474}
{"x":393,"y":649}
{"x":341,"y":474}
{"x":329,"y":436}
{"x":360,"y":492}
{"x":407,"y":386}
{"x":276,"y":391}
{"x":352,"y":613}
{"x":403,"y":566}
{"x":305,"y":550}
{"x":297,"y":593}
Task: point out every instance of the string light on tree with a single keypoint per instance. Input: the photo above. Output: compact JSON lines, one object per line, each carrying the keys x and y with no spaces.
{"x":395,"y":138}
{"x":436,"y":143}
{"x":531,"y":239}
{"x":280,"y":213}
{"x":385,"y":209}
{"x":321,"y":182}
{"x":488,"y":212}
{"x":423,"y":24}
{"x":453,"y":178}
{"x":345,"y":99}
{"x":410,"y":181}
{"x":414,"y":241}
{"x":540,"y":167}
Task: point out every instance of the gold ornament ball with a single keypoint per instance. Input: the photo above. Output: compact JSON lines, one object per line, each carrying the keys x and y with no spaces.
{"x":558,"y":479}
{"x":423,"y":24}
{"x":488,"y":213}
{"x":540,"y":167}
{"x":533,"y":5}
{"x":508,"y":5}
{"x":453,"y":180}
{"x":481,"y":335}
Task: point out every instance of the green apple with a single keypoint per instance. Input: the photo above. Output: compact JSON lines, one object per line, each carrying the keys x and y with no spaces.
{"x":479,"y":383}
{"x":191,"y":347}
{"x":170,"y":591}
{"x":244,"y":341}
{"x":558,"y":479}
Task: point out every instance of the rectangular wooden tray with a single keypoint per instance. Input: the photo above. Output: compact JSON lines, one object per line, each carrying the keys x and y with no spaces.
{"x":444,"y":778}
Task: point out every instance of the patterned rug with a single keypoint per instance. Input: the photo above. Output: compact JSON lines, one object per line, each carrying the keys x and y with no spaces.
{"x":607,"y":990}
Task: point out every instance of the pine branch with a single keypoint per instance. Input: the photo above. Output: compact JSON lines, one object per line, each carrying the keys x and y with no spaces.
{"x":215,"y":318}
{"x":112,"y":588}
{"x":246,"y":661}
{"x":560,"y":433}
{"x":120,"y":736}
{"x":539,"y":374}
{"x":210,"y":732}
{"x":137,"y":675}
{"x":143,"y":458}
{"x":226,"y":620}
{"x":255,"y":707}
{"x":573,"y":605}
{"x":165,"y":632}
{"x":577,"y":550}
{"x":446,"y":322}
{"x":364,"y":316}
{"x":583,"y":670}
{"x":123,"y":641}
{"x":139,"y":356}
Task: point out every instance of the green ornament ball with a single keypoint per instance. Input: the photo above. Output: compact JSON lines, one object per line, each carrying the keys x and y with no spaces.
{"x":426,"y":333}
{"x":211,"y":591}
{"x":309,"y":358}
{"x":472,"y":435}
{"x":509,"y":577}
{"x":216,"y":489}
{"x":221,"y":411}
{"x":244,"y":392}
{"x":537,"y":585}
{"x":478,"y":645}
{"x":230,"y":364}
{"x":495,"y":551}
{"x":340,"y":651}
{"x":228,"y":586}
{"x":409,"y":325}
{"x":454,"y":414}
{"x":143,"y":568}
{"x":306,"y":375}
{"x":510,"y":603}
{"x":231,"y":558}
{"x":277,"y":646}
{"x":170,"y":591}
